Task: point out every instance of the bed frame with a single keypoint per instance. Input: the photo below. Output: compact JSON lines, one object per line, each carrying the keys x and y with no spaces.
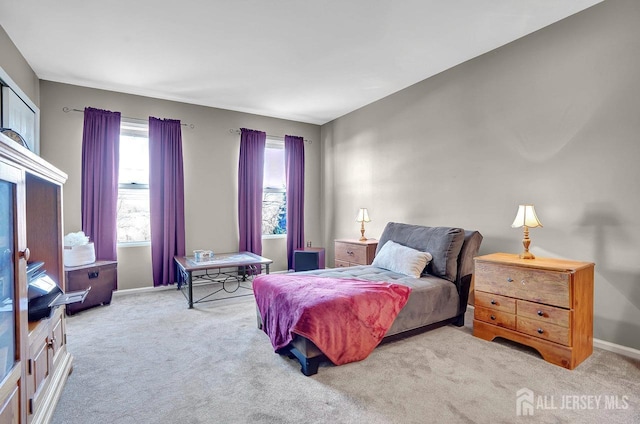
{"x":310,"y":357}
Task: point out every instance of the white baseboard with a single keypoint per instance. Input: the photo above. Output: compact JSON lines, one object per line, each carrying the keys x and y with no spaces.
{"x":608,"y":346}
{"x":616,"y":348}
{"x":126,"y":292}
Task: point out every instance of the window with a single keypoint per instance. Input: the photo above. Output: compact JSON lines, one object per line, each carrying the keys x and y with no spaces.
{"x":274,"y":190}
{"x":134,"y":223}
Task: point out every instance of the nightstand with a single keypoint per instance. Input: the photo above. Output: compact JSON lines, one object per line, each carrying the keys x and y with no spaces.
{"x":354,"y":252}
{"x":543,"y":303}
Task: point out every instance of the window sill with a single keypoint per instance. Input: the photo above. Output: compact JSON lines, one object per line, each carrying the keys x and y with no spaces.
{"x":133,"y":244}
{"x":274,"y":236}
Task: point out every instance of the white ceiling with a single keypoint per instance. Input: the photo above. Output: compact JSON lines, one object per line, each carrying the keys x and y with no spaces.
{"x":308,"y":61}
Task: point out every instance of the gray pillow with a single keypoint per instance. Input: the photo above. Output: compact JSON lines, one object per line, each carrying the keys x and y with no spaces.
{"x":444,"y":244}
{"x":401,"y":259}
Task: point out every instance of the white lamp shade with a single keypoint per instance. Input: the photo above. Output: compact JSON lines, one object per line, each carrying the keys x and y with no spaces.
{"x":363,"y":215}
{"x":526,"y":217}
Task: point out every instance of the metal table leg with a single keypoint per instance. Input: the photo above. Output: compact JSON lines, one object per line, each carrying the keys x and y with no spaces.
{"x":190,"y":282}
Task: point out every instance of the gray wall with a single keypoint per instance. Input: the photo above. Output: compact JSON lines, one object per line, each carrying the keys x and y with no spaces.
{"x":551,"y":119}
{"x":15,"y":65}
{"x":211,"y":168}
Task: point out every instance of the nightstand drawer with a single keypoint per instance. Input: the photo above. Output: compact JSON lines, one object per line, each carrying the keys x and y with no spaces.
{"x":495,"y":301}
{"x":544,"y":286}
{"x":544,"y":330}
{"x":348,"y":252}
{"x":499,"y":318}
{"x":354,"y":252}
{"x":342,"y":264}
{"x":544,"y":313}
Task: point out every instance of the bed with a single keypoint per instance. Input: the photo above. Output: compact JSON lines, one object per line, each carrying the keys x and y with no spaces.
{"x":436,"y":295}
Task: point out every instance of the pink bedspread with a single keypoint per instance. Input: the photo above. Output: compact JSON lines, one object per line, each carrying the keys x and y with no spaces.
{"x":344,"y":318}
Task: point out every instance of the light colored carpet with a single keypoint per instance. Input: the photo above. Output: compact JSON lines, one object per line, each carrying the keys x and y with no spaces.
{"x":146,"y":358}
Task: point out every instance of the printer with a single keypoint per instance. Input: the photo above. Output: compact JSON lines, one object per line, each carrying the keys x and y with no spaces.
{"x":45,"y":295}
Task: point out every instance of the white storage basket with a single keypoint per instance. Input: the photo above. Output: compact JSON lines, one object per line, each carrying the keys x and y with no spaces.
{"x":79,"y":255}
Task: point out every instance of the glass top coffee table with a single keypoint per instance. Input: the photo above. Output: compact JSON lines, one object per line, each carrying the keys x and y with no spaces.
{"x":225,"y":272}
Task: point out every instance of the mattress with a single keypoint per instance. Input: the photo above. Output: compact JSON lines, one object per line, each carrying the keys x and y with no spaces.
{"x":432,"y":299}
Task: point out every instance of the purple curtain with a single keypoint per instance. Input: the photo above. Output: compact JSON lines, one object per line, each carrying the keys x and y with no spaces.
{"x":294,"y":164}
{"x":100,"y":160}
{"x":250,"y":176}
{"x":166,"y":194}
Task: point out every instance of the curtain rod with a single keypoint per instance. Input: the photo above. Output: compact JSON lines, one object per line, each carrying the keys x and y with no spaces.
{"x":67,"y":110}
{"x":237,"y":131}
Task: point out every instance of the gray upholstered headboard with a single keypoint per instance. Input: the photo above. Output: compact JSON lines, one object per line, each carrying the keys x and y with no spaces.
{"x":470,"y":247}
{"x":453,"y":249}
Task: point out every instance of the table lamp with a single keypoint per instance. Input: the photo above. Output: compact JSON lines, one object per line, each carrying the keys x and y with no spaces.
{"x":363,"y":216}
{"x":526,"y":217}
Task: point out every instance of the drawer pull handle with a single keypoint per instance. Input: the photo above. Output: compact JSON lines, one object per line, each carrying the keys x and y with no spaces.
{"x":510,"y":280}
{"x":540,"y":331}
{"x":493,"y":317}
{"x":523,"y":282}
{"x":540,"y":313}
{"x":93,"y":274}
{"x":493,"y":302}
{"x":349,"y":252}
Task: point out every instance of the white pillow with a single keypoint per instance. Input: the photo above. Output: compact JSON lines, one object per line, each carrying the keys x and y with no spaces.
{"x":401,"y":259}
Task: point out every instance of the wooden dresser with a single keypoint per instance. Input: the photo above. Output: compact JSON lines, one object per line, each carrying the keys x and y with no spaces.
{"x":543,"y":303}
{"x":354,"y":252}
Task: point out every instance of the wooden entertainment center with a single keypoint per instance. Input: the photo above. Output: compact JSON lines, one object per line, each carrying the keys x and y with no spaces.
{"x":36,"y":364}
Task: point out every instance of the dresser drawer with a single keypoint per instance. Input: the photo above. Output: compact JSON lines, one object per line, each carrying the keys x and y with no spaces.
{"x":348,"y":252}
{"x":544,"y":313}
{"x":544,"y":330}
{"x":495,"y":301}
{"x":499,"y":318}
{"x":537,"y":285}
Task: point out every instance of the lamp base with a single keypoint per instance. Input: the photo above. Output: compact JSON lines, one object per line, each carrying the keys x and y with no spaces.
{"x":526,"y":255}
{"x":362,"y":237}
{"x":526,"y":242}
